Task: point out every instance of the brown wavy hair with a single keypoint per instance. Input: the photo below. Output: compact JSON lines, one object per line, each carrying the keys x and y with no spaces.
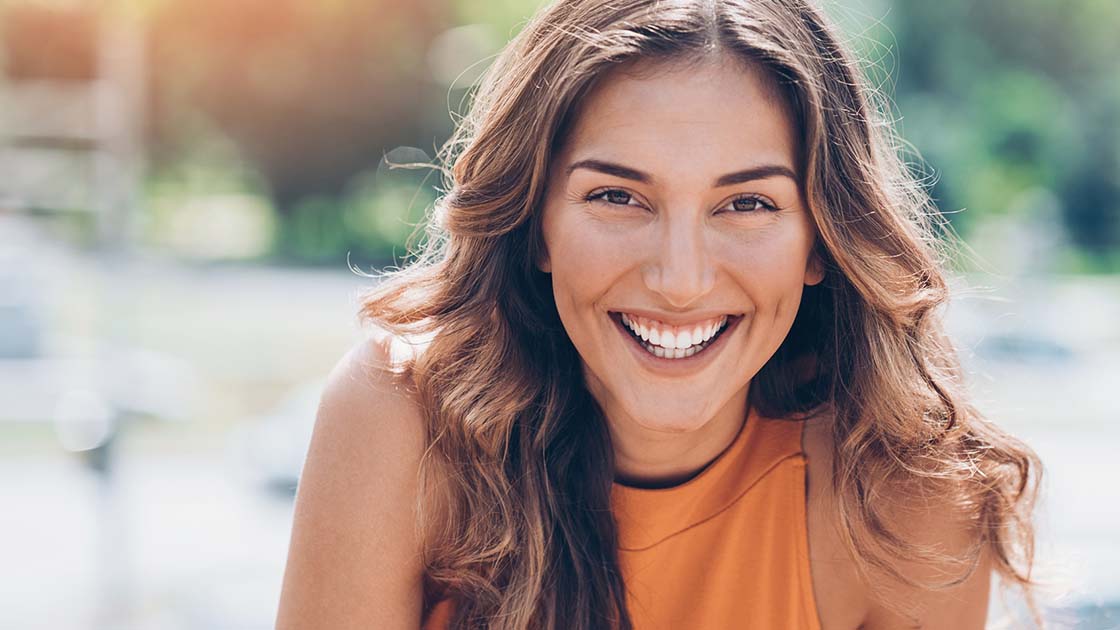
{"x":516,"y":514}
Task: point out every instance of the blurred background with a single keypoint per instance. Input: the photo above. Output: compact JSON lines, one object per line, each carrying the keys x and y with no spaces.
{"x":187,"y":184}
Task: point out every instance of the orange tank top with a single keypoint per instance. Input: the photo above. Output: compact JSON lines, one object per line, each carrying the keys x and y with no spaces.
{"x":725,"y":549}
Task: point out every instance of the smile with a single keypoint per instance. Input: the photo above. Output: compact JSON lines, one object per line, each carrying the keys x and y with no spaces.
{"x":675,"y":343}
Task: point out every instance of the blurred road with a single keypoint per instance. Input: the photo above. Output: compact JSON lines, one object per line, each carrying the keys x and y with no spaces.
{"x":175,"y":541}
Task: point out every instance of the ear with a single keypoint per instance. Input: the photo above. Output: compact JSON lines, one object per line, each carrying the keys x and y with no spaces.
{"x":814,"y":269}
{"x":542,"y":260}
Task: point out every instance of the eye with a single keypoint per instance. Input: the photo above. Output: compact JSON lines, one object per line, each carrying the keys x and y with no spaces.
{"x":613,"y":196}
{"x":748,"y":204}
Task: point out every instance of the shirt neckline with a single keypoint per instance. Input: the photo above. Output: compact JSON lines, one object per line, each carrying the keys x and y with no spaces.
{"x":647,"y":516}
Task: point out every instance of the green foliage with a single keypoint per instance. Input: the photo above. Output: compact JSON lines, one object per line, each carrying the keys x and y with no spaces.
{"x":370,"y":222}
{"x":1002,"y":99}
{"x":1004,"y":96}
{"x":506,"y":17}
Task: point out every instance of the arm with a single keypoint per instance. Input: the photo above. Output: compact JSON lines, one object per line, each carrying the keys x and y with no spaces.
{"x":353,"y":559}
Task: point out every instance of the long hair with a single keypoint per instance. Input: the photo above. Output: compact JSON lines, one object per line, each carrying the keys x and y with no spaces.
{"x":516,"y":510}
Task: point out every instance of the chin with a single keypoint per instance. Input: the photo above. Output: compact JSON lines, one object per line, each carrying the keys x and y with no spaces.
{"x":680,"y":422}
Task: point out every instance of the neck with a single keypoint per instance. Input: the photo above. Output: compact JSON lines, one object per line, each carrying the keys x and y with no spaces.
{"x":656,"y":458}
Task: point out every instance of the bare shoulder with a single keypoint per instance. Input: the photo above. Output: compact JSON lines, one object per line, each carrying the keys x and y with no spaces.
{"x":936,"y":522}
{"x":845,"y":601}
{"x":842,"y":602}
{"x":354,"y":557}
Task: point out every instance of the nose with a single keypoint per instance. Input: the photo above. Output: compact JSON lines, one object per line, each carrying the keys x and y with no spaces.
{"x":681,"y":268}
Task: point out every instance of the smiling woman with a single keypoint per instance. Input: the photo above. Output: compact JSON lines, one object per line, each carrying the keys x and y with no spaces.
{"x":640,"y":223}
{"x":670,"y":359}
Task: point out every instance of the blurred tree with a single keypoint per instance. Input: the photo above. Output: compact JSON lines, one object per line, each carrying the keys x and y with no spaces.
{"x":312,"y":92}
{"x":1001,"y":98}
{"x":1008,"y":95}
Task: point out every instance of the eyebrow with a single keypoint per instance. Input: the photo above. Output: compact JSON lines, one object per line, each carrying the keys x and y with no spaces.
{"x":738,"y":177}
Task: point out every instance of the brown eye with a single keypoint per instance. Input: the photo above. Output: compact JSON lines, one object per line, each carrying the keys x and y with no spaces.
{"x":751,"y":203}
{"x":613,"y":196}
{"x":618,"y":196}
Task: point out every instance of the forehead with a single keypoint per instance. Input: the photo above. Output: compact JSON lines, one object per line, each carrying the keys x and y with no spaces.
{"x":674,"y":116}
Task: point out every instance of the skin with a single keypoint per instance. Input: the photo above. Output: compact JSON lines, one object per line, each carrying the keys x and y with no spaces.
{"x":354,"y":559}
{"x":675,"y":244}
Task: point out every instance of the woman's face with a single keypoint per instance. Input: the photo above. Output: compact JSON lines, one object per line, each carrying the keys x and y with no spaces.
{"x":673,"y":208}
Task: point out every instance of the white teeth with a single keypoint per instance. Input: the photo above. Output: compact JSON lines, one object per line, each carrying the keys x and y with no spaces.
{"x":667,"y":344}
{"x":632,"y":325}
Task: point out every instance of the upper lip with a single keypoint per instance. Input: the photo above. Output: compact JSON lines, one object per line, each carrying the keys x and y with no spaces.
{"x":676,"y":319}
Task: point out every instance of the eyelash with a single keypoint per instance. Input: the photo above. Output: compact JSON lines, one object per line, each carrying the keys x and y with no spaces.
{"x":600,"y":195}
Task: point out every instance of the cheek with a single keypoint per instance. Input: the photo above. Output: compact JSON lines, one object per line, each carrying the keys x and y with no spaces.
{"x":769,"y":263}
{"x":569,"y":287}
{"x":584,"y":254}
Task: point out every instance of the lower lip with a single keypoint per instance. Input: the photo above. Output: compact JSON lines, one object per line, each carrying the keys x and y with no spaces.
{"x":684,"y":364}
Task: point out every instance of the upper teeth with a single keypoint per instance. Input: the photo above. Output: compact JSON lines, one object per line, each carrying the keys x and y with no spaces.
{"x":670,"y":337}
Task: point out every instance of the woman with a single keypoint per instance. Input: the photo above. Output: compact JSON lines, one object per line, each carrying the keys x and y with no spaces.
{"x":669,"y":359}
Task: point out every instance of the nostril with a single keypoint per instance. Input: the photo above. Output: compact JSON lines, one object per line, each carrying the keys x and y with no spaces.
{"x":681,"y":285}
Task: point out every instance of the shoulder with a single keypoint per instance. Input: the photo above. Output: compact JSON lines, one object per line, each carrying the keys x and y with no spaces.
{"x":368,"y":404}
{"x":846,"y":600}
{"x":842,"y":600}
{"x":354,"y":558}
{"x":939,"y":524}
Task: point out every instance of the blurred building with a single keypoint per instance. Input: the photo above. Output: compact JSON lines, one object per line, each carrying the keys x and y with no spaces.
{"x":72,"y":116}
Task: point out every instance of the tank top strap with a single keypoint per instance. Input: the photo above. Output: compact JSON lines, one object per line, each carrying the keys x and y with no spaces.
{"x":645,"y":516}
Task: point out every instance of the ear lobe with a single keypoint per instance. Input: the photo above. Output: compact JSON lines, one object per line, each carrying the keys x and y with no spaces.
{"x":543,"y":262}
{"x":814,"y":270}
